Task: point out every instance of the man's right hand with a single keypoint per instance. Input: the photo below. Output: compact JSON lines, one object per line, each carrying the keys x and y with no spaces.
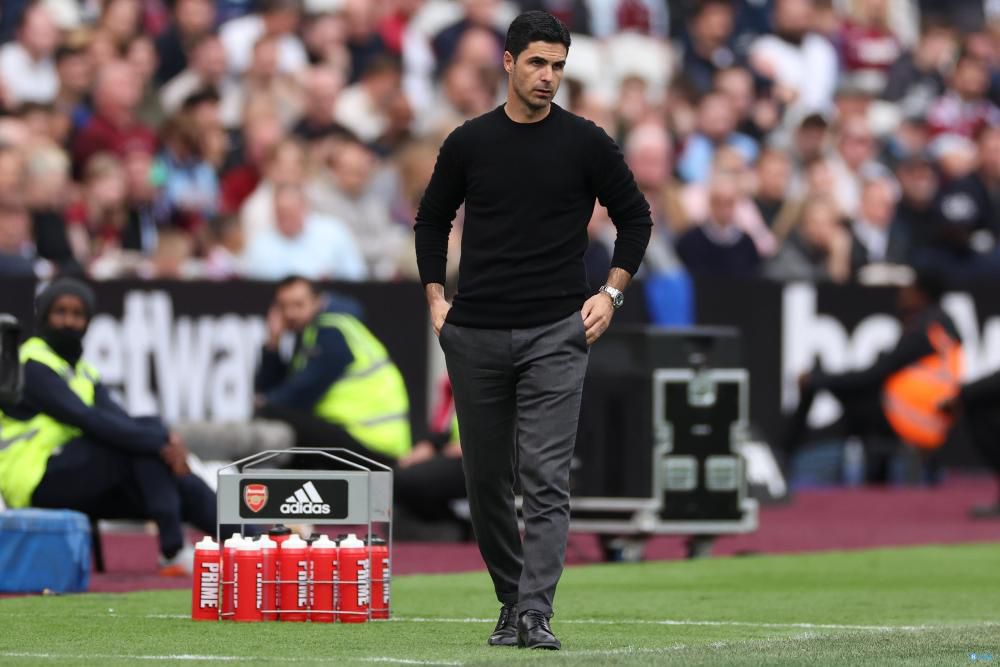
{"x":439,"y":311}
{"x":439,"y":306}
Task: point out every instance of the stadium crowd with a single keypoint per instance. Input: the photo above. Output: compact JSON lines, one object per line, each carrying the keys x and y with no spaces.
{"x":792,"y":139}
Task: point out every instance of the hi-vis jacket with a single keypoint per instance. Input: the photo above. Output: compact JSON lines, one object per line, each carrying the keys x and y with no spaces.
{"x":916,"y":376}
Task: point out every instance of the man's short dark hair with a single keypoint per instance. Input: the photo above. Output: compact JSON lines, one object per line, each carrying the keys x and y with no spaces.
{"x":535,"y":26}
{"x":294,"y":278}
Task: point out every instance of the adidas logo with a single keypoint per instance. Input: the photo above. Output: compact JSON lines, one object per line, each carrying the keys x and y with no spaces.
{"x":305,"y":500}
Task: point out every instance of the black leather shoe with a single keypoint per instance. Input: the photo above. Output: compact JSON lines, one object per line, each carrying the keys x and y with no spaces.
{"x":533,"y":631}
{"x":505,"y":634}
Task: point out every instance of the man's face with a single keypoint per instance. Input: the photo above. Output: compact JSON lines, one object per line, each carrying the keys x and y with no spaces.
{"x":298,"y":304}
{"x":289,"y":211}
{"x":39,"y":33}
{"x":68,"y":312}
{"x":537,"y":73}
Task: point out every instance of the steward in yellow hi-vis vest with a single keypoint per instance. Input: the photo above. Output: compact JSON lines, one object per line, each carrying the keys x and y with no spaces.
{"x":338,"y":388}
{"x":901,"y":394}
{"x":68,"y":444}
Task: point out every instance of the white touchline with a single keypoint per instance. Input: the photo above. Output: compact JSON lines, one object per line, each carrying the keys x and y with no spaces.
{"x":749,"y":624}
{"x":217,"y":658}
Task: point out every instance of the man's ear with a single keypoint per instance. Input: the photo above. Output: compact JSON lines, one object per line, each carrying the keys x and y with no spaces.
{"x":508,"y":61}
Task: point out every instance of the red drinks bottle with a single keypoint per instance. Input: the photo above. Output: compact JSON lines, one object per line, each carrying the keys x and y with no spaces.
{"x":381,"y":574}
{"x":269,"y":578}
{"x":293,"y":576}
{"x":355,"y":583}
{"x":248,"y":582}
{"x":227,"y":586}
{"x":205,"y":587}
{"x":323,"y":556}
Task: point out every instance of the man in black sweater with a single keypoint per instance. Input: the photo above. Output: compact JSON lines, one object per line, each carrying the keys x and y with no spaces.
{"x":516,"y":340}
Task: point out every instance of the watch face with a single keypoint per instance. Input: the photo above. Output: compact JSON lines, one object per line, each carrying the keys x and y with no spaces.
{"x":618,"y":299}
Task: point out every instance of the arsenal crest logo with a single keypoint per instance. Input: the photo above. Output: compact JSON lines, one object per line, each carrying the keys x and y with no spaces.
{"x":255,"y":496}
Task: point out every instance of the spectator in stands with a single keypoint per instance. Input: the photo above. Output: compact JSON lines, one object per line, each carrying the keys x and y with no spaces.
{"x":716,"y":127}
{"x":918,"y":188}
{"x":141,"y":54}
{"x":325,"y":36}
{"x":302,"y":242}
{"x":364,"y":42}
{"x":277,"y":20}
{"x":264,"y":84}
{"x":79,"y":450}
{"x":818,"y":249}
{"x":876,"y":240}
{"x":855,"y":150}
{"x":97,"y":221}
{"x":708,"y":45}
{"x":47,"y":194}
{"x":343,"y":193}
{"x":463,"y":94}
{"x":119,"y":22}
{"x":339,"y":388}
{"x":148,"y":210}
{"x":76,"y":76}
{"x":17,"y":254}
{"x":964,"y":108}
{"x":965,"y":220}
{"x":575,"y":14}
{"x":364,"y":106}
{"x":649,"y":154}
{"x":261,"y":133}
{"x":224,"y":259}
{"x":917,"y":77}
{"x":113,"y":128}
{"x":477,"y":14}
{"x":190,"y":186}
{"x":27,"y":65}
{"x":868,"y":46}
{"x":192,"y":21}
{"x":11,"y":171}
{"x":206,"y":69}
{"x":897,"y":398}
{"x":695,"y":199}
{"x":285,"y":165}
{"x":756,"y":117}
{"x":323,"y":85}
{"x":645,"y":17}
{"x":800,"y":62}
{"x":717,"y":246}
{"x":774,"y":172}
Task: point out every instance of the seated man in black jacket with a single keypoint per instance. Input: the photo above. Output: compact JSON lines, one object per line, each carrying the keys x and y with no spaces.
{"x":68,"y":444}
{"x":898,"y":398}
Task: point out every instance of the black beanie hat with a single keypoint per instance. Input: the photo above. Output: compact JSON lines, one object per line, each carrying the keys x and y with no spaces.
{"x":61,"y":287}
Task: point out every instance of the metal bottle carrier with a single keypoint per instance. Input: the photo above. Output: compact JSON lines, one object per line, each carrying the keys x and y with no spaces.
{"x":359,"y":494}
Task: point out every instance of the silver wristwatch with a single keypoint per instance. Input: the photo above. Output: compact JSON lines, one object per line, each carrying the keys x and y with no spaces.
{"x":617,"y":297}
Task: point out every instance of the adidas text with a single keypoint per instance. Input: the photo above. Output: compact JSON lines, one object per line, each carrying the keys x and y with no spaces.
{"x":305,"y":508}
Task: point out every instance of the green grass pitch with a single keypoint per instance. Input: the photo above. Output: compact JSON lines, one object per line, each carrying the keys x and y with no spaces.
{"x":913,"y":606}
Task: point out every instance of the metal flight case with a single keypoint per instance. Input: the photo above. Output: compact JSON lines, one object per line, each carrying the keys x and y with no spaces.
{"x":664,"y":411}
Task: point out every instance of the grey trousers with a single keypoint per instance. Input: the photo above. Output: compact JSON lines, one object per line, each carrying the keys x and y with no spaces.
{"x":517,"y":396}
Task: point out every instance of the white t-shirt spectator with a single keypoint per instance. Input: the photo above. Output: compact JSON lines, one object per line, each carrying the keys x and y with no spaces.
{"x":239,"y":36}
{"x":25,"y":79}
{"x":324,"y":249}
{"x":809,"y":68}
